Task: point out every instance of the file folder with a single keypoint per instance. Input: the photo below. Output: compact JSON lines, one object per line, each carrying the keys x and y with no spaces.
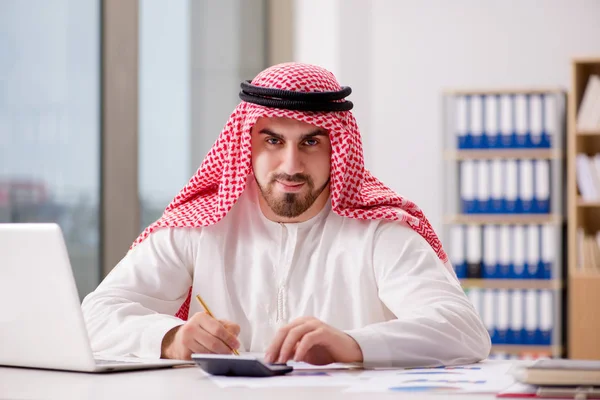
{"x":490,"y":252}
{"x":506,"y":122}
{"x":531,"y":317}
{"x":536,"y":121}
{"x":502,"y":322}
{"x":548,"y":252}
{"x":526,"y":186}
{"x":546,"y":314}
{"x":489,"y":312}
{"x":497,"y":193}
{"x":518,"y":237}
{"x":517,"y":328}
{"x":505,"y":254}
{"x":521,"y":123}
{"x":476,"y":114}
{"x":511,"y":192}
{"x":542,"y":187}
{"x":533,"y":268}
{"x":467,"y":186}
{"x":457,"y":253}
{"x":550,"y":110}
{"x":474,"y":251}
{"x":484,"y":202}
{"x":492,"y":122}
{"x":462,"y":127}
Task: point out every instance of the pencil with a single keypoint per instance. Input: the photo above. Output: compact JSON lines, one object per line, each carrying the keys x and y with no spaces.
{"x":211,"y":314}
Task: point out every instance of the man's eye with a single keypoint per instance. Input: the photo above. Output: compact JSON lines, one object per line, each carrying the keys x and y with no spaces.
{"x":273,"y":141}
{"x":311,"y":142}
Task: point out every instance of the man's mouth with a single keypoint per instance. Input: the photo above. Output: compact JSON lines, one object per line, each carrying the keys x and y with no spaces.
{"x":290,"y":186}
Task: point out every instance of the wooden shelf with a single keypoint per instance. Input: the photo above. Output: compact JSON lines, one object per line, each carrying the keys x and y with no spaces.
{"x":584,"y":203}
{"x":552,"y":284}
{"x":519,"y":349}
{"x":504,"y":219}
{"x":588,"y":133}
{"x":583,"y":297}
{"x":545,"y":154}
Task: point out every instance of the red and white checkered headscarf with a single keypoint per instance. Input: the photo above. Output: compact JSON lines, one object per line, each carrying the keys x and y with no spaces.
{"x":221,"y":178}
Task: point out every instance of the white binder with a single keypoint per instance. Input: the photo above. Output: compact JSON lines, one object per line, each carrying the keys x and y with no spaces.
{"x":505,"y":255}
{"x":502,"y":323}
{"x":476,"y":114}
{"x":542,"y":186}
{"x":506,"y":121}
{"x":497,"y":189}
{"x":536,"y":121}
{"x":462,"y":126}
{"x":533,"y":252}
{"x":483,"y":187}
{"x":521,"y":123}
{"x":490,"y":251}
{"x":474,"y":250}
{"x":512,"y":186}
{"x":531,"y":316}
{"x":467,"y":186}
{"x":518,"y":271}
{"x":492,"y":122}
{"x":516,"y":317}
{"x":526,"y":185}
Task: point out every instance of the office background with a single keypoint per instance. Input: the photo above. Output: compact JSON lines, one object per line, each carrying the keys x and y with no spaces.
{"x":108,"y":107}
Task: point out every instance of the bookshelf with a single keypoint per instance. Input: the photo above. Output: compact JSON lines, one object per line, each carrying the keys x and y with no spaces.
{"x":583,"y":319}
{"x":491,"y":140}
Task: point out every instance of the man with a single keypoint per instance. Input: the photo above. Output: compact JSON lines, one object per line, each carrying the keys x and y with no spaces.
{"x":302,"y":252}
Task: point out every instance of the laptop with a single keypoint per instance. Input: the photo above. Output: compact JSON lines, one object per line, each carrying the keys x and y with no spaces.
{"x":41,"y":322}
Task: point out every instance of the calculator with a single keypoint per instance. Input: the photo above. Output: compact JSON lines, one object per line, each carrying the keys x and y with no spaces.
{"x":233,"y":365}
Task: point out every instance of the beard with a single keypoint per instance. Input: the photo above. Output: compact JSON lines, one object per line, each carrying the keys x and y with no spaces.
{"x":290,"y":205}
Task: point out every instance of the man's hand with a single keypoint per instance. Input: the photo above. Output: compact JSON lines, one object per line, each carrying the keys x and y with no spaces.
{"x":200,"y":334}
{"x":310,"y":340}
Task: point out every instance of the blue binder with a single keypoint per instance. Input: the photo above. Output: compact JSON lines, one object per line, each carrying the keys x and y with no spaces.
{"x":533,"y":266}
{"x":526,"y":187}
{"x":550,"y":113}
{"x":546,"y":316}
{"x":462,"y":118}
{"x":518,"y":265}
{"x":532,"y":317}
{"x":490,"y":252}
{"x":468,"y":177}
{"x":491,"y":117}
{"x":542,"y":186}
{"x":507,"y":122}
{"x":478,"y":139}
{"x":521,"y":123}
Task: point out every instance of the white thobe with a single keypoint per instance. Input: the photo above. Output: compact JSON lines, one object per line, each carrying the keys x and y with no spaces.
{"x":378,"y":281}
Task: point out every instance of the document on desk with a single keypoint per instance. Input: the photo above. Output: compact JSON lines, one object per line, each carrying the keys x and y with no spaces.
{"x":304,"y":374}
{"x":484,"y":377}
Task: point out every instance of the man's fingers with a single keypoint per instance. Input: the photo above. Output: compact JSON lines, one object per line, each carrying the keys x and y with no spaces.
{"x":230,"y":326}
{"x":292,"y":339}
{"x":308,"y":341}
{"x":211,"y":343}
{"x":274,"y":348}
{"x":216,"y":329}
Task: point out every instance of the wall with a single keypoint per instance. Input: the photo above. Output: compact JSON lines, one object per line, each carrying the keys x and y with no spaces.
{"x":402,"y":54}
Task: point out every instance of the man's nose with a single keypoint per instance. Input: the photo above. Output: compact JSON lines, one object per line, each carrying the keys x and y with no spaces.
{"x":292,"y":161}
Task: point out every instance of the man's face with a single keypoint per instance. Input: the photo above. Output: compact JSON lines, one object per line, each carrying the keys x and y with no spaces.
{"x":291,"y":162}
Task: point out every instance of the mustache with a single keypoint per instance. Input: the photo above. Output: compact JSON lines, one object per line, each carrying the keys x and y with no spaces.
{"x":299,"y":178}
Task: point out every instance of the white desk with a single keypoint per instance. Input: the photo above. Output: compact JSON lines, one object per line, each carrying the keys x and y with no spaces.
{"x":179,"y":383}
